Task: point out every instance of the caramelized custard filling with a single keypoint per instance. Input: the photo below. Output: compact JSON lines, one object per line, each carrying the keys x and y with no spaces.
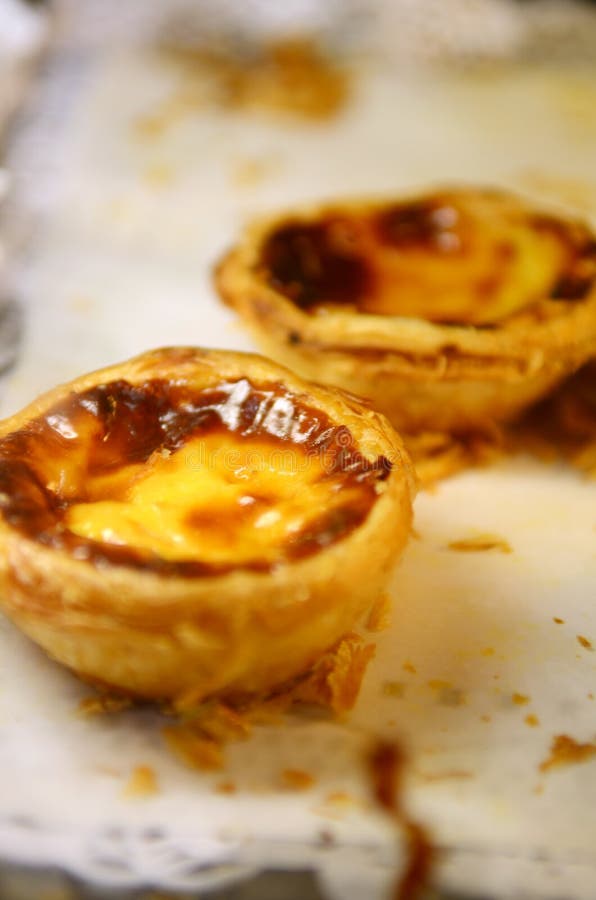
{"x":167,"y":477}
{"x":448,"y":258}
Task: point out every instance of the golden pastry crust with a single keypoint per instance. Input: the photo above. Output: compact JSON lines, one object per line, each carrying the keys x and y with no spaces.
{"x":447,"y":311}
{"x":139,"y":567}
{"x":438,"y":455}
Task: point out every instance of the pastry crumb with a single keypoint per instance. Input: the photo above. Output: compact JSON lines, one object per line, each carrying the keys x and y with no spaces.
{"x":193,"y":749}
{"x":335,"y":680}
{"x":226,"y":787}
{"x":142,"y":783}
{"x":437,"y":684}
{"x":480,"y":543}
{"x":297,"y":779}
{"x":103,"y":704}
{"x":393,"y":688}
{"x":339,"y":798}
{"x":565,"y":751}
{"x":200,"y":738}
{"x":520,"y":699}
{"x":379,"y":618}
{"x":449,"y":775}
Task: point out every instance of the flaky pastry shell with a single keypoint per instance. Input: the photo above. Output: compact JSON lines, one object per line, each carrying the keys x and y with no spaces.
{"x":447,"y":311}
{"x":250,"y":612}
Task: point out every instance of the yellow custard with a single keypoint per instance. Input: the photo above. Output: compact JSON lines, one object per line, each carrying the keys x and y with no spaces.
{"x":214,"y":499}
{"x":462,"y":258}
{"x":151,"y":475}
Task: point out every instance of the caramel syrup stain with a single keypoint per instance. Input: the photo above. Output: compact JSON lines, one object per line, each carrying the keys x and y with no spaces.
{"x":59,"y":459}
{"x":386,"y":766}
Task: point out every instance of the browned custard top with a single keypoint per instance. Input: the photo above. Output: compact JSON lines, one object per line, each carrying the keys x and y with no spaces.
{"x":169,"y":478}
{"x":466,"y":258}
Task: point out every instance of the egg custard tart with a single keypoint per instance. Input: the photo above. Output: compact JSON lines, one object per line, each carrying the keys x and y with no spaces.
{"x":196,"y":521}
{"x":447,"y":311}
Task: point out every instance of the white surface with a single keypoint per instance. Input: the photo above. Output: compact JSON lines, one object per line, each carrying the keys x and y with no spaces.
{"x":23,"y":30}
{"x":23,"y":33}
{"x":132,"y":227}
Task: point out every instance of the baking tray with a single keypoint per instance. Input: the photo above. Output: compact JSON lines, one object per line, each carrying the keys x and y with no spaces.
{"x":114,"y":233}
